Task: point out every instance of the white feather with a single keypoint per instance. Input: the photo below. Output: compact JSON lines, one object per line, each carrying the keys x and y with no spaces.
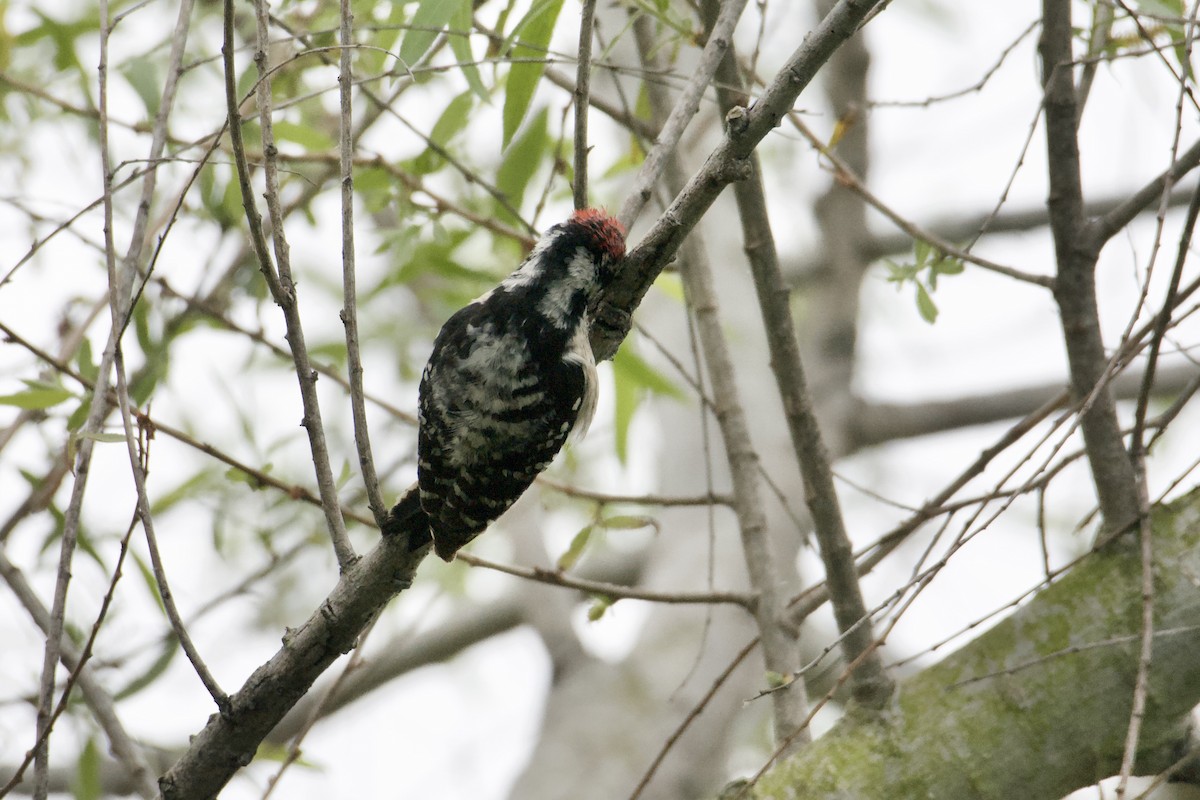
{"x":579,"y":351}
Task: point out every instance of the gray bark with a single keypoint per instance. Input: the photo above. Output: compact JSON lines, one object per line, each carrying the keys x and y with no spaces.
{"x":1038,"y":706}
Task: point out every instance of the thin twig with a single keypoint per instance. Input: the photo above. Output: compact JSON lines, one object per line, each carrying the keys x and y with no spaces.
{"x":1102,"y":229}
{"x":139,"y":465}
{"x":128,"y":754}
{"x":845,"y":176}
{"x":1145,"y":529}
{"x":96,"y":413}
{"x":707,"y":499}
{"x":646,"y":261}
{"x":689,"y":718}
{"x":280,"y":283}
{"x":582,"y":93}
{"x":293,"y":749}
{"x":354,"y":368}
{"x":720,"y":39}
{"x":1098,"y":39}
{"x":120,"y":284}
{"x":612,"y":590}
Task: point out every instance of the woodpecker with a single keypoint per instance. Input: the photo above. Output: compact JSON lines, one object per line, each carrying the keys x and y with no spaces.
{"x":510,"y":376}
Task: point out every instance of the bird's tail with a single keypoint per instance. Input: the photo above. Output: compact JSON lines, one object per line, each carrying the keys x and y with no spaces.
{"x":407,"y":518}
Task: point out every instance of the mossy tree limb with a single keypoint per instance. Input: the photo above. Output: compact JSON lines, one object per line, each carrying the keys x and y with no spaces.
{"x":1038,"y":706}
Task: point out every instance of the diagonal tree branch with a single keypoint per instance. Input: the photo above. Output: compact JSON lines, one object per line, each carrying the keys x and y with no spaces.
{"x":229,"y":741}
{"x":720,"y":39}
{"x":724,"y":165}
{"x":870,"y":683}
{"x":976,"y":698}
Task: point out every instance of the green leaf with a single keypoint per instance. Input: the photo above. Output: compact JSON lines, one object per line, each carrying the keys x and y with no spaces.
{"x":626,"y":397}
{"x":431,"y":17}
{"x":281,"y":753}
{"x":533,"y":36}
{"x":170,"y":647}
{"x":453,"y":119}
{"x":635,"y":368}
{"x":578,"y":544}
{"x":184,"y":491}
{"x":346,"y":474}
{"x":85,"y":361}
{"x":921,"y":251}
{"x":100,"y":436}
{"x":522,"y":159}
{"x":670,"y":284}
{"x":460,"y":45}
{"x":80,"y":414}
{"x":628,"y":522}
{"x":142,"y":75}
{"x":776,"y":680}
{"x":37,"y":398}
{"x":1161,"y":8}
{"x":632,"y":378}
{"x":307,"y":136}
{"x":148,"y":578}
{"x":235,"y":475}
{"x":598,"y":608}
{"x":925,"y":305}
{"x":86,"y":784}
{"x":947,"y":265}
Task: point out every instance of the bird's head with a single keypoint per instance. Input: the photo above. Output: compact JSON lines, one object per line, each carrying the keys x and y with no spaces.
{"x":602,"y":235}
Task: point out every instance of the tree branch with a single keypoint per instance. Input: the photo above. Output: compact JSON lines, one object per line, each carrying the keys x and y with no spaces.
{"x":870,"y":683}
{"x":972,"y":698}
{"x":1075,"y":285}
{"x":780,"y":650}
{"x":278,"y":276}
{"x":354,"y":368}
{"x":645,"y":261}
{"x":582,"y":94}
{"x":876,"y":423}
{"x":720,"y":39}
{"x":229,"y":741}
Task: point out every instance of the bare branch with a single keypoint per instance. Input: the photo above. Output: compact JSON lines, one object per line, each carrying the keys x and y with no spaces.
{"x":1075,"y":290}
{"x":582,"y":93}
{"x":229,"y":740}
{"x":780,"y":650}
{"x":129,"y":755}
{"x":720,"y":39}
{"x":612,"y":590}
{"x":1102,"y":229}
{"x":362,"y":438}
{"x":875,"y":423}
{"x":871,"y":684}
{"x":643,"y":264}
{"x":282,"y":288}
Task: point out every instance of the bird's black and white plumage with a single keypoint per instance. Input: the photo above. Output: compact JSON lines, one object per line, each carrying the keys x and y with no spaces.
{"x":510,"y":376}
